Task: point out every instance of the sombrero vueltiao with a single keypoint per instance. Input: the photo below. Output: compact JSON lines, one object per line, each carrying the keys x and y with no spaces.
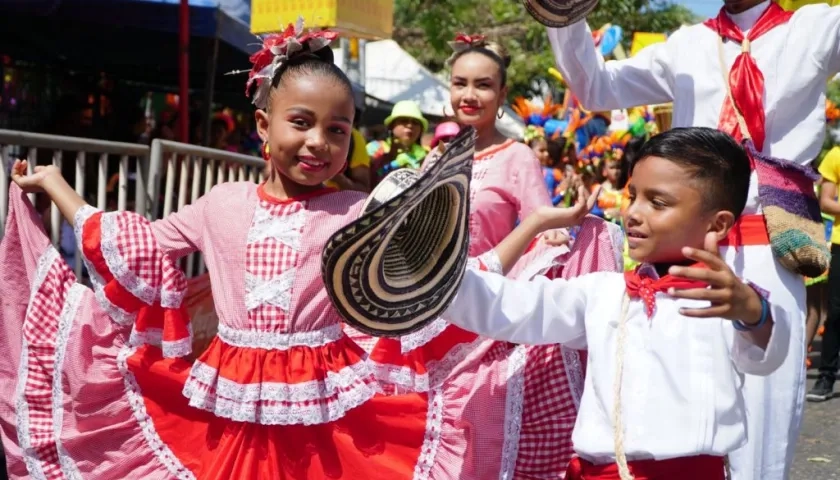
{"x":398,"y":266}
{"x":559,"y":13}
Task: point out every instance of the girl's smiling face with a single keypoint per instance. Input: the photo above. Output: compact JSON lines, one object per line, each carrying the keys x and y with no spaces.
{"x":307,"y":126}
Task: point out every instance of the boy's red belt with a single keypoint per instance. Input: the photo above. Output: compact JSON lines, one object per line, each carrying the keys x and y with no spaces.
{"x":701,"y":467}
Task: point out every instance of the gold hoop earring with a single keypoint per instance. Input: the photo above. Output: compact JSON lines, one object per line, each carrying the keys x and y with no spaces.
{"x":500,"y":114}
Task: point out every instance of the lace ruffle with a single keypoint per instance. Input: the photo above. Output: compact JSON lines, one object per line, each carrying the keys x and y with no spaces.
{"x":513,"y":410}
{"x":299,"y":385}
{"x":431,"y":441}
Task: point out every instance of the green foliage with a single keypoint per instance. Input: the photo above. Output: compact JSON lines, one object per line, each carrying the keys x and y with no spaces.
{"x":423,"y":28}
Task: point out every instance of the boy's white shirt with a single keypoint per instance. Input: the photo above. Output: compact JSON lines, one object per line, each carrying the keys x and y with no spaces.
{"x":681,"y":393}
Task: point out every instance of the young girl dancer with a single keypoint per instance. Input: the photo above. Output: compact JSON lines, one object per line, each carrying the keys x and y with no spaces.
{"x":105,"y":391}
{"x":496,"y":410}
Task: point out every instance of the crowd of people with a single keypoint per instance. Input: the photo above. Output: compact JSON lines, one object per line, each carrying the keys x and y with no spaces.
{"x":634,"y":303}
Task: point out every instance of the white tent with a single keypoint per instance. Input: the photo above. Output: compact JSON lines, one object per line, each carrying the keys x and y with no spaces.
{"x":391,"y":74}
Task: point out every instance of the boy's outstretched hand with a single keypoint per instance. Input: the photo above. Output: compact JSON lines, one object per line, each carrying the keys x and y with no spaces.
{"x":730,"y":297}
{"x":550,"y":218}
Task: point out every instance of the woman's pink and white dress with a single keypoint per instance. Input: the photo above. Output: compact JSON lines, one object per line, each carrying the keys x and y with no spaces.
{"x":498,"y":410}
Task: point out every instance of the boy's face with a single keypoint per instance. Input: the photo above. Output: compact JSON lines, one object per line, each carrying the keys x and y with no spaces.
{"x":667,"y":212}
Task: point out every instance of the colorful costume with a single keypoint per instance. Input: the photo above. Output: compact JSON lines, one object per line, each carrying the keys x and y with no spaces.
{"x":795,"y":59}
{"x":498,"y":410}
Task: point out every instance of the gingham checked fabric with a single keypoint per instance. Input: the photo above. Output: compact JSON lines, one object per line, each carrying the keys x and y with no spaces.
{"x":548,"y":416}
{"x":40,"y":332}
{"x":272,"y":256}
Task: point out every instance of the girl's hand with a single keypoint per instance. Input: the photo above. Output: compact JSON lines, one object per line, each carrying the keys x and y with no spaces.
{"x":35,"y":182}
{"x":556,"y":238}
{"x":550,"y":218}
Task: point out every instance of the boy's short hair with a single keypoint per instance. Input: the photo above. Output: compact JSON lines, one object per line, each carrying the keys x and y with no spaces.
{"x":712,"y":157}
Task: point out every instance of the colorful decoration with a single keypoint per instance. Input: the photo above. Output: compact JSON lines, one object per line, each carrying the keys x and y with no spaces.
{"x":608,"y":38}
{"x":536,"y":117}
{"x":832,"y":112}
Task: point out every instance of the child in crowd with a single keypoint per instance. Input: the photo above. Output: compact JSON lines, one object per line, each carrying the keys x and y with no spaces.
{"x":669,"y":343}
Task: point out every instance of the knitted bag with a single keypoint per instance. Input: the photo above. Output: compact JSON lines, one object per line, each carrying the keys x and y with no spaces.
{"x":792,"y":213}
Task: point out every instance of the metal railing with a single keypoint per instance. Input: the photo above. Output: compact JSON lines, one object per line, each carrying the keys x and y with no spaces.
{"x":14,"y":143}
{"x":188,"y":172}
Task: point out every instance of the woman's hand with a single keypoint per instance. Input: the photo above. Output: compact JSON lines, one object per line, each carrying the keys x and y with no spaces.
{"x":556,"y":238}
{"x":33,"y":183}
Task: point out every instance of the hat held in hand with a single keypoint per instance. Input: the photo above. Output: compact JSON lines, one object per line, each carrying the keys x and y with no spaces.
{"x":559,"y":13}
{"x":398,"y":266}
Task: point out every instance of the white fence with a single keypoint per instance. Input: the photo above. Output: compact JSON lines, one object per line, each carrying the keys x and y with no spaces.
{"x":175,"y":173}
{"x":189,"y":172}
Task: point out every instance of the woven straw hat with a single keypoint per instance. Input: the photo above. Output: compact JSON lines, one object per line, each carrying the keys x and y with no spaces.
{"x":559,"y":13}
{"x":399,"y":265}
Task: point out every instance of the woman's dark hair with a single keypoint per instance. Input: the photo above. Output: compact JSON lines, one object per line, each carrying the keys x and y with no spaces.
{"x":492,"y":50}
{"x":712,"y":157}
{"x":317,"y":63}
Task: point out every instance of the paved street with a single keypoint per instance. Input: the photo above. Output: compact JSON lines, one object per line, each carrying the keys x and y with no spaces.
{"x":818,"y":451}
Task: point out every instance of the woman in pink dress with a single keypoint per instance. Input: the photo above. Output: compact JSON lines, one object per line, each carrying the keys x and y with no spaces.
{"x":100,"y":383}
{"x":496,"y":410}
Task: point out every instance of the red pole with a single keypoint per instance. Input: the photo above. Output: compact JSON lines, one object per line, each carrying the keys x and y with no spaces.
{"x":184,"y":72}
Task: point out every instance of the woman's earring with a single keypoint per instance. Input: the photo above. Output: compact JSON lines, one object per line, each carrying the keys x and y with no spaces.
{"x":501,"y":113}
{"x":266,"y":152}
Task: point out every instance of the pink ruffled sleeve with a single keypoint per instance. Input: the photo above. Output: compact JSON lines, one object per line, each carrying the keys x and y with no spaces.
{"x":135,"y":279}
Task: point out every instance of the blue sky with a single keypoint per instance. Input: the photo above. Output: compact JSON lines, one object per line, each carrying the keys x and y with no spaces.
{"x":704,"y":8}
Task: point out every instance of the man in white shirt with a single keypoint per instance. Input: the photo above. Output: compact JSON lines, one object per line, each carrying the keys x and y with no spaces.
{"x":795,"y":55}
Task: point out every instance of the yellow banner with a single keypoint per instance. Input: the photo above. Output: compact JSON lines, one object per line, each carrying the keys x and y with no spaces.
{"x":368,"y":19}
{"x":643,"y":39}
{"x":795,"y":4}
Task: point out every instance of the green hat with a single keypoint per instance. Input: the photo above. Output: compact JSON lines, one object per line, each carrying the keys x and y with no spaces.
{"x":407,"y":109}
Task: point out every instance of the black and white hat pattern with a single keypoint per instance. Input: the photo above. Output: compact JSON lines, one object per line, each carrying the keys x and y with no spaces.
{"x":559,"y":13}
{"x":398,"y":266}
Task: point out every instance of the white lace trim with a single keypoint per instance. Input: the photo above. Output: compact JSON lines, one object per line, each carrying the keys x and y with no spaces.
{"x":491,"y":260}
{"x":24,"y":435}
{"x":278,"y":340}
{"x":340,"y":392}
{"x":172,"y":299}
{"x":65,"y":324}
{"x":30,"y":456}
{"x":82,"y":215}
{"x":285,"y":229}
{"x":153,"y":440}
{"x":154,"y":337}
{"x":403,"y":377}
{"x":574,"y":372}
{"x":437,"y":370}
{"x":332,"y":385}
{"x":513,"y":411}
{"x":423,"y":336}
{"x":276,"y":291}
{"x":117,"y":264}
{"x":431,"y":441}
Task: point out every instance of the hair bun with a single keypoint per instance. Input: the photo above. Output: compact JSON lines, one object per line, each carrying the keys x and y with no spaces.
{"x":499,"y":50}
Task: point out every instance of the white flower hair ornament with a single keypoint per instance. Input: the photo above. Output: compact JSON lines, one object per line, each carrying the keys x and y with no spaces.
{"x":277,"y":49}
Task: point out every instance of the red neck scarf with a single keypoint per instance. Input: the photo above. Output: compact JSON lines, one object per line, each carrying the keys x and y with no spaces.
{"x":745,"y":79}
{"x":646,"y":288}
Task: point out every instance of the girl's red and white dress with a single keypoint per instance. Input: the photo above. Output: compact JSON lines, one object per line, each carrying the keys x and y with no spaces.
{"x":96,"y":385}
{"x":498,"y":410}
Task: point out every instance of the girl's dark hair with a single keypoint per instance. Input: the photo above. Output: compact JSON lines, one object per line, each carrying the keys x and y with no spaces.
{"x":714,"y":158}
{"x":631,"y":154}
{"x":555,"y":150}
{"x":492,"y":50}
{"x":317,"y":63}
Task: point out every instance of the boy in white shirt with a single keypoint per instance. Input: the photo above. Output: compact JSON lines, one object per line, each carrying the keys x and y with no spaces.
{"x":669,"y":343}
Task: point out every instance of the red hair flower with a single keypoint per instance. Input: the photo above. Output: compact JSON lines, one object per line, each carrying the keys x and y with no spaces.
{"x":278,"y":48}
{"x":463,"y":41}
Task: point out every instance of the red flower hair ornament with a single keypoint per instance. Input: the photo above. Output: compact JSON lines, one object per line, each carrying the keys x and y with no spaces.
{"x":463,"y":41}
{"x":277,"y":49}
